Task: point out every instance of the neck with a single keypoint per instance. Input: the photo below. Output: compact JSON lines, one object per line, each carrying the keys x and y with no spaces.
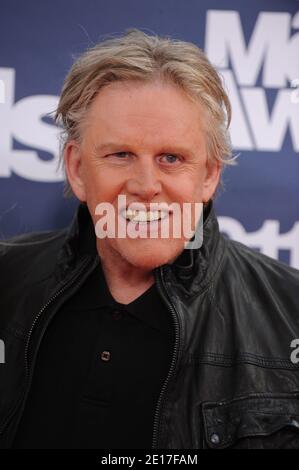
{"x":125,"y":281}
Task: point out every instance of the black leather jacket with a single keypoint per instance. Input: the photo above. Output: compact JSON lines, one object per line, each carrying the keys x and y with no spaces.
{"x":231,"y":383}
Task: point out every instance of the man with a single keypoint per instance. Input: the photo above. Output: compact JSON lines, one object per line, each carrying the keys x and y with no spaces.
{"x":139,"y":342}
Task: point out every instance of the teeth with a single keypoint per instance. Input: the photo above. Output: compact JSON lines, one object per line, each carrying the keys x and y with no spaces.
{"x":144,"y":216}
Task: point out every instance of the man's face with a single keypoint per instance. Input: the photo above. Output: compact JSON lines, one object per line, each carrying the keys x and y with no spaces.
{"x":146,"y":142}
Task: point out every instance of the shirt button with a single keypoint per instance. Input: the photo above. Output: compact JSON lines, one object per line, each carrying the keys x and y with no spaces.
{"x":105,"y":356}
{"x":116,"y":314}
{"x":215,"y":439}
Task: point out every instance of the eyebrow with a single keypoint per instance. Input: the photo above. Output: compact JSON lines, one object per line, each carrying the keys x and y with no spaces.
{"x":111,"y":146}
{"x":108,"y":146}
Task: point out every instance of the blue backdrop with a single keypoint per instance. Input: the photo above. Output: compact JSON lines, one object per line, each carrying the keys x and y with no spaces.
{"x":255,"y":46}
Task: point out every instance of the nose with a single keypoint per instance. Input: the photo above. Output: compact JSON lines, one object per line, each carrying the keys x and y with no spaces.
{"x":144,"y":183}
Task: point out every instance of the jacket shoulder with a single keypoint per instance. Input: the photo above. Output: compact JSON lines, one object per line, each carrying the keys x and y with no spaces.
{"x":267,"y":289}
{"x":261,"y":276}
{"x":262,"y":298}
{"x":255,"y":263}
{"x":25,"y":254}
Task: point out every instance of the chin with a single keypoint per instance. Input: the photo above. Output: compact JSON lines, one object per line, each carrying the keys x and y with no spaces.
{"x":149,"y":256}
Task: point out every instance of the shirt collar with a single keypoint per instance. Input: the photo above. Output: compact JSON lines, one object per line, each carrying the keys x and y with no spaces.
{"x":147,"y":308}
{"x":192,"y":270}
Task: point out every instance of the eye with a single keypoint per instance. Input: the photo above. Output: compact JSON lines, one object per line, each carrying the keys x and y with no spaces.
{"x":171,"y":158}
{"x":119,"y":156}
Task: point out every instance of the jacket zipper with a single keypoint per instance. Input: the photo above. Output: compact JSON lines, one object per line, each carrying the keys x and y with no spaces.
{"x":29,"y":373}
{"x":162,"y":287}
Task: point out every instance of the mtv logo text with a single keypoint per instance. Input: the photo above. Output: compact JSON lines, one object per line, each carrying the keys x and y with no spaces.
{"x":273,"y":52}
{"x":254,"y":65}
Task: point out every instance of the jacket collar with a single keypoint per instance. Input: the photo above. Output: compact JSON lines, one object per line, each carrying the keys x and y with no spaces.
{"x":193,"y":267}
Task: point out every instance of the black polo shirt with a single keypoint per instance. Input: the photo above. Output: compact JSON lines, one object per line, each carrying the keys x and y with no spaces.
{"x":99,"y":372}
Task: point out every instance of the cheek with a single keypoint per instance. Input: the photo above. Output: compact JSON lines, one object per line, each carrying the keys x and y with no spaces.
{"x":104,"y":187}
{"x":190,"y":190}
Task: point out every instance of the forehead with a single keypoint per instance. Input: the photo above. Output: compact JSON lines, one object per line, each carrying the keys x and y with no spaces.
{"x":141,"y":112}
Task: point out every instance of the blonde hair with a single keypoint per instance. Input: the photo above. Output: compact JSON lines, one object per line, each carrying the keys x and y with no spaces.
{"x":136,"y":55}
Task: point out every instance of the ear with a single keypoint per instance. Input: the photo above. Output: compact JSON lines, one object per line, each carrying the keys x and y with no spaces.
{"x":74,"y":169}
{"x":213,"y":172}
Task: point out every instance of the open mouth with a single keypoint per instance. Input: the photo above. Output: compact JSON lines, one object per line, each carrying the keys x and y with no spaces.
{"x":144,"y":217}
